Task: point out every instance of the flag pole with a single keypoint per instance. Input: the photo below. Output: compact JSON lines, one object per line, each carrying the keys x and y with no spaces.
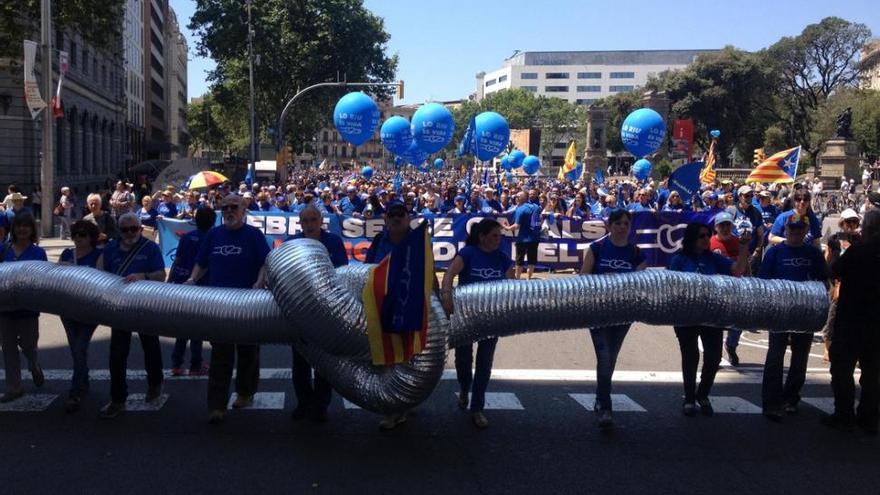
{"x":47,"y":165}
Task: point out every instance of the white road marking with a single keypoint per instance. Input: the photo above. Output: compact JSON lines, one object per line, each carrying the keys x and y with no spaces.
{"x":502,"y":401}
{"x":349,"y":405}
{"x":733,"y":405}
{"x":263,"y":401}
{"x":787,"y":350}
{"x":824,"y":404}
{"x":29,"y":403}
{"x":136,"y":403}
{"x":619,"y":402}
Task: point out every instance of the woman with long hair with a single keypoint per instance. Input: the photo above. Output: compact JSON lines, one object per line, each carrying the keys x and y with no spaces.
{"x":481,"y":260}
{"x":696,"y":257}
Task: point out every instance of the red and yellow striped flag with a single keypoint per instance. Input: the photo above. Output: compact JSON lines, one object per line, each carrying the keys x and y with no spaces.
{"x":396,"y":299}
{"x":780,"y":168}
{"x":570,"y":162}
{"x":707,"y":175}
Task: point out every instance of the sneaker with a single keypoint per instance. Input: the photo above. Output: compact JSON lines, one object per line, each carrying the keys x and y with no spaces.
{"x":838,"y":422}
{"x":301,"y":412}
{"x":153,"y":393}
{"x":462,"y":400}
{"x":177,"y":372}
{"x":243,"y":401}
{"x":689,"y":409}
{"x":390,"y":421}
{"x":201,"y":371}
{"x":111,"y":410}
{"x":772,"y":413}
{"x":706,"y":407}
{"x":71,"y":405}
{"x":605,"y":419}
{"x":11,"y":396}
{"x":480,"y":419}
{"x":37,"y":375}
{"x":732,"y":356}
{"x":319,"y":415}
{"x":790,"y":408}
{"x":216,"y":417}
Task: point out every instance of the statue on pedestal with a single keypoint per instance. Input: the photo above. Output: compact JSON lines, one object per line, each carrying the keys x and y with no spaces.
{"x":844,"y":123}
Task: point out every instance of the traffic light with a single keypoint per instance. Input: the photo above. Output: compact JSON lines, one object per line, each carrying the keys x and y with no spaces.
{"x":759,"y":156}
{"x":400,"y":90}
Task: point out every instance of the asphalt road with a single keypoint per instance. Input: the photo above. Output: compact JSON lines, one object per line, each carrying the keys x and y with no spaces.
{"x":541,"y":438}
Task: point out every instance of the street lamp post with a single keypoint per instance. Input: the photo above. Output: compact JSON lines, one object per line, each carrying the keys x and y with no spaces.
{"x":47,"y":166}
{"x":253,"y":158}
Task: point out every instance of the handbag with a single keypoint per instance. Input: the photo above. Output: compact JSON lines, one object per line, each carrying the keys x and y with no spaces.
{"x":58,"y":211}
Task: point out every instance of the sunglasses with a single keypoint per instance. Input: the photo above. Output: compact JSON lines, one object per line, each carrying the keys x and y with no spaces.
{"x":130,"y":230}
{"x":79,"y":234}
{"x":852,"y":221}
{"x":229,"y":207}
{"x":801,"y":200}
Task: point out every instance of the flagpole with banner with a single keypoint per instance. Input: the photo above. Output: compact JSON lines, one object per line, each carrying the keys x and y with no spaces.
{"x":707,"y":175}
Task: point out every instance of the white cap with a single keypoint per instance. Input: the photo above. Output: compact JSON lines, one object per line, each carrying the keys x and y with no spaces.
{"x":744,"y":190}
{"x":847,"y":214}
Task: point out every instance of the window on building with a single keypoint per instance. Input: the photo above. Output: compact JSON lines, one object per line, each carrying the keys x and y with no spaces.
{"x":620,"y":89}
{"x":157,"y":89}
{"x":157,"y":42}
{"x":502,"y":78}
{"x":623,"y":75}
{"x":556,"y":89}
{"x":560,"y":146}
{"x":533,"y":89}
{"x":528,"y":75}
{"x":157,"y":111}
{"x":556,"y":75}
{"x":324,"y":150}
{"x":73,"y":54}
{"x":589,"y":75}
{"x":589,"y":89}
{"x":85,"y":61}
{"x":490,"y":82}
{"x":585,"y":101}
{"x":325,"y":139}
{"x":154,"y":62}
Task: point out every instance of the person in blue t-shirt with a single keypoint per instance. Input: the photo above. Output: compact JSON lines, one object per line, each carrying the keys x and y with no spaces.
{"x":20,"y":328}
{"x":147,"y":213}
{"x":313,"y":395}
{"x":84,"y":253}
{"x":167,"y":206}
{"x":696,"y":257}
{"x":184,"y":261}
{"x":135,"y":258}
{"x":527,"y":226}
{"x":800,"y":262}
{"x":611,"y":254}
{"x":351,"y":204}
{"x":232,"y":255}
{"x":800,"y":205}
{"x":481,"y":260}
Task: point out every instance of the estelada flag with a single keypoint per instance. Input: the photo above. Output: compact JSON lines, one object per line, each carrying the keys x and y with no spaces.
{"x":707,"y":175}
{"x":780,"y":168}
{"x":396,"y":298}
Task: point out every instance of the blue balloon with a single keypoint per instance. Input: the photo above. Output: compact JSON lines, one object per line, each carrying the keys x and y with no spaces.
{"x":531,"y":164}
{"x":715,"y":133}
{"x":492,"y":134}
{"x":505,"y":163}
{"x":642,"y":169}
{"x":414,"y":155}
{"x":643,"y":132}
{"x":432,"y":127}
{"x":367,"y":172}
{"x":396,"y":134}
{"x":356,"y":117}
{"x":438,"y":163}
{"x":516,"y":158}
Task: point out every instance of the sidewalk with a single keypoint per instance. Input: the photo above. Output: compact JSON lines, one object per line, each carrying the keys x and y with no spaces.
{"x":54,"y":246}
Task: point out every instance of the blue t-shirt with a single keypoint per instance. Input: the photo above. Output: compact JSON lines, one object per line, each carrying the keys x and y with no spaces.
{"x":185,"y":257}
{"x":379,"y":248}
{"x":753,"y":215}
{"x":608,"y":258}
{"x":90,"y":259}
{"x":529,"y":227}
{"x":480,"y":266}
{"x":334,"y":246}
{"x":815,"y":226}
{"x":708,"y":263}
{"x":233,"y":258}
{"x":147,"y":260}
{"x":349,"y":206}
{"x":148,"y":217}
{"x":800,"y":263}
{"x":167,"y":210}
{"x":31,"y":253}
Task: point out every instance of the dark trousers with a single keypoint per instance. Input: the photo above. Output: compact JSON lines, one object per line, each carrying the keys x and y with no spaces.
{"x":607,"y":342}
{"x":120,"y":345}
{"x":845,"y":352}
{"x":78,"y":337}
{"x":18,"y":332}
{"x":773,"y":393}
{"x":220,"y":375}
{"x":478,"y":381}
{"x":313,"y":393}
{"x":195,"y":356}
{"x":690,"y":359}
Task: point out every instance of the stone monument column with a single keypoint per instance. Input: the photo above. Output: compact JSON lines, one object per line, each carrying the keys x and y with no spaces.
{"x":659,"y":102}
{"x":595,"y":154}
{"x":840,"y":155}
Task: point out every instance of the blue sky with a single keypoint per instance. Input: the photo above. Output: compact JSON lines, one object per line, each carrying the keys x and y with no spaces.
{"x":442,"y":44}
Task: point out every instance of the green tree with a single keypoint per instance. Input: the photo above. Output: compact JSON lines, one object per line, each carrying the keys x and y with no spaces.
{"x":865,"y":105}
{"x":619,"y":105}
{"x":298,"y":43}
{"x":810,"y":68}
{"x":217,"y":128}
{"x":99,"y":23}
{"x":561,"y":122}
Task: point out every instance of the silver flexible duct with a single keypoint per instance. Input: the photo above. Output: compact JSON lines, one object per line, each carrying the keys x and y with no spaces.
{"x":318,"y":309}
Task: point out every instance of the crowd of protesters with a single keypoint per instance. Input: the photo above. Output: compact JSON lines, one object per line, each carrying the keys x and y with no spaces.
{"x":765,"y":231}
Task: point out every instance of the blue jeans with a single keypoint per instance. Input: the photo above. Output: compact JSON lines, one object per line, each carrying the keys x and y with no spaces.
{"x":607,"y":342}
{"x":78,"y":337}
{"x":732,"y":338}
{"x":195,"y":358}
{"x":477,"y":382}
{"x":773,"y":393}
{"x":690,"y":359}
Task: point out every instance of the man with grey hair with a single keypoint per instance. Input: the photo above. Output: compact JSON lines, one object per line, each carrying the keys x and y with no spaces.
{"x":135,"y":258}
{"x":106,"y":224}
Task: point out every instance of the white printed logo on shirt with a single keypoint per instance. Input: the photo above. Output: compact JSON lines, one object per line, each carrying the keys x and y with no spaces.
{"x":227,"y":250}
{"x":616,"y":264}
{"x":797,"y":262}
{"x":486,"y":273}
